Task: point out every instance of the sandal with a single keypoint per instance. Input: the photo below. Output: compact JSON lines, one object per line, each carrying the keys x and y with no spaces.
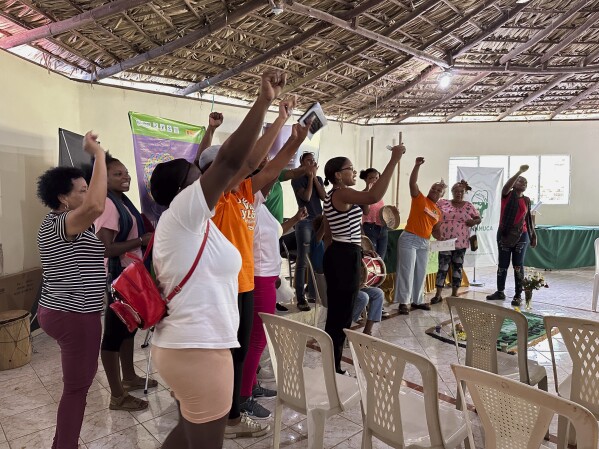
{"x":436,"y":299}
{"x":138,"y":384}
{"x":128,"y":403}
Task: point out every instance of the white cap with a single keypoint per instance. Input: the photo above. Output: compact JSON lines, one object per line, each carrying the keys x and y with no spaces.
{"x":208,"y":155}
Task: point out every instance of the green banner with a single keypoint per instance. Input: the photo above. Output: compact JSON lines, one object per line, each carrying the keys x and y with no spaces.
{"x":162,"y":128}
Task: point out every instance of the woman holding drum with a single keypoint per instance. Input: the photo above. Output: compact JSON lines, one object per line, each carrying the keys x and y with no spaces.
{"x":343,"y":258}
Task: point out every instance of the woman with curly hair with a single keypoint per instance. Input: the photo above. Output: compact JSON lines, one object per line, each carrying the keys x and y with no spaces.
{"x":458,"y":217}
{"x":74,"y":281}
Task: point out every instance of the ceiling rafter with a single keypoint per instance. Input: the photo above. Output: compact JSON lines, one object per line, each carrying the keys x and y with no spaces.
{"x":484,"y":99}
{"x":533,"y":96}
{"x":512,"y":68}
{"x":567,"y":40}
{"x":447,"y":97}
{"x":577,"y":99}
{"x":189,"y":38}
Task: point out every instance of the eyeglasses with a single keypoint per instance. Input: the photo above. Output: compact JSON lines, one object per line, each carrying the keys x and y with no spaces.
{"x":347,"y":168}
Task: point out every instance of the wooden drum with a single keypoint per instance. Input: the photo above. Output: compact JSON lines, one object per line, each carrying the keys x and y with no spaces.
{"x":15,"y":339}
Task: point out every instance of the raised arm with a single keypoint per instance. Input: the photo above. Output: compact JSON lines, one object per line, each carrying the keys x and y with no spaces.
{"x":510,"y":182}
{"x":414,"y":190}
{"x":274,"y":167}
{"x":215,"y":119}
{"x":318,"y":186}
{"x":351,"y":196}
{"x":234,"y":150}
{"x":80,"y":219}
{"x":305,"y":193}
{"x":299,"y":216}
{"x":294,"y":173}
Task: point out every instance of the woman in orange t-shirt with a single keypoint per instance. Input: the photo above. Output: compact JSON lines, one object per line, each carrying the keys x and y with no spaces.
{"x":413,"y":243}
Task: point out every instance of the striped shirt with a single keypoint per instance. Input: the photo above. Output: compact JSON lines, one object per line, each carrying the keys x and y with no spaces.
{"x":345,"y":226}
{"x":74,"y":278}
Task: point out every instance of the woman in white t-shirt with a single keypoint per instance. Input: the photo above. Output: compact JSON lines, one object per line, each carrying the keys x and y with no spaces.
{"x":191,"y":347}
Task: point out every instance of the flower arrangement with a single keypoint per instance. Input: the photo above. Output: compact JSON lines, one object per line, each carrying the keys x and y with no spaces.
{"x":533,"y":281}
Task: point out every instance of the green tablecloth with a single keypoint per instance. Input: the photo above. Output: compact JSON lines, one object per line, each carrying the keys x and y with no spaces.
{"x":560,"y":247}
{"x":391,"y":255}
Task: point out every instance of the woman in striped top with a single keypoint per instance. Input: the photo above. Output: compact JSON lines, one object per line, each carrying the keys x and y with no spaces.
{"x":73,"y":282}
{"x":343,"y":258}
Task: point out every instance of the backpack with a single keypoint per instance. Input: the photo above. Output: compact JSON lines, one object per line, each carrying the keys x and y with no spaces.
{"x":137,"y":300}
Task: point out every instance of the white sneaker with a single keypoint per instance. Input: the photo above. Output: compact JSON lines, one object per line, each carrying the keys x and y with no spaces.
{"x":247,"y":428}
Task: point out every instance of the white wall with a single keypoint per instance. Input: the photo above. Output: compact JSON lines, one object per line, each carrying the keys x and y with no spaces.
{"x":438,"y":142}
{"x":35,"y":103}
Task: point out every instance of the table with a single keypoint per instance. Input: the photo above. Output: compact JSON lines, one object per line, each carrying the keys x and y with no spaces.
{"x":561,"y":247}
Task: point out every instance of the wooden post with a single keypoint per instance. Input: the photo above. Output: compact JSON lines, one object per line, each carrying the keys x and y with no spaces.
{"x":371,"y":152}
{"x":397,"y":179}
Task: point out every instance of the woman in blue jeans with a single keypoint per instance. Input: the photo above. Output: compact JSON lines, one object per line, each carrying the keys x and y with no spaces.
{"x":515,"y":219}
{"x":373,"y":227}
{"x":375,"y":297}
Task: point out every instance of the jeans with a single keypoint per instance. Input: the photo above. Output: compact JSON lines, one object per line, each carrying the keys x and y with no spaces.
{"x":412,"y":257}
{"x":78,"y":335}
{"x":454,"y":258}
{"x":375,"y":296}
{"x":378,"y":235}
{"x":304,"y":233}
{"x":516,"y":253}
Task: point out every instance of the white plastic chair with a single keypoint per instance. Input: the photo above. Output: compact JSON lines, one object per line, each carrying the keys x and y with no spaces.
{"x":517,"y":416}
{"x":581,"y":338}
{"x":401,"y":418}
{"x":596,"y":278}
{"x":318,"y":392}
{"x":482,"y":323}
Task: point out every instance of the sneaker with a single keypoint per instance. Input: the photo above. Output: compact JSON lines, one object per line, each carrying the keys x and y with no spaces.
{"x":516,"y":301}
{"x":423,"y":306}
{"x":344,"y":372}
{"x":303,"y":306}
{"x":260,"y":392}
{"x":247,"y":428}
{"x":311,"y":300}
{"x":436,"y":300}
{"x":497,"y":296}
{"x":403,"y":309}
{"x":254,"y":410}
{"x":281,"y":308}
{"x":385,"y":314}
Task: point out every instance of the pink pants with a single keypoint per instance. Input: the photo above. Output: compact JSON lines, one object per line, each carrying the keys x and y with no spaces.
{"x":265,"y":299}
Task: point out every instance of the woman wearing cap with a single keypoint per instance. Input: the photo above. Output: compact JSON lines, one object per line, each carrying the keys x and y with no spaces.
{"x":343,"y":258}
{"x":413,"y":243}
{"x":191,"y":347}
{"x":74,"y":282}
{"x":458,"y":217}
{"x":373,"y":227}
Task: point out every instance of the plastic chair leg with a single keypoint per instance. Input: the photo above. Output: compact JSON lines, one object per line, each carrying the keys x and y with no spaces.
{"x":595,"y":292}
{"x":316,"y":420}
{"x":366,"y":439}
{"x":562,"y":432}
{"x":277,"y":425}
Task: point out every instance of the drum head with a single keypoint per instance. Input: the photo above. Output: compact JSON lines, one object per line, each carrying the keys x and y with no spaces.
{"x":390,"y":216}
{"x":12,"y":315}
{"x":367,"y":244}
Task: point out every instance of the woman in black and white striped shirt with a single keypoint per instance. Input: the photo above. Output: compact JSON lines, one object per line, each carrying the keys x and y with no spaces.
{"x":74,"y":281}
{"x":343,"y":258}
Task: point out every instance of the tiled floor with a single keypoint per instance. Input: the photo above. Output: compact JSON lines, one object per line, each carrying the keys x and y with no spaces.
{"x":29,"y":395}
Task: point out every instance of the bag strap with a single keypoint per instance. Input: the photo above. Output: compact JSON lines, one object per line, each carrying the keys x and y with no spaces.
{"x":178,"y":288}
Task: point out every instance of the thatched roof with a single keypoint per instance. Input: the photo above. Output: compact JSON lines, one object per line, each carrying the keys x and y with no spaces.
{"x":368,"y":60}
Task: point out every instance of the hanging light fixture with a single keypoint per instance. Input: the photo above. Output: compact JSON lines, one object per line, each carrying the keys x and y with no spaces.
{"x":276,"y":7}
{"x":444,"y":80}
{"x":522,"y":1}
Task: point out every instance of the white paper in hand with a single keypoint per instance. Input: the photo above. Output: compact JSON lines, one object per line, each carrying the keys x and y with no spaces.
{"x":442,"y":245}
{"x":319,"y":121}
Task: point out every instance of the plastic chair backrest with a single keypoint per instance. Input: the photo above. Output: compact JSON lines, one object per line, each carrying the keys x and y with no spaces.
{"x":482,"y":323}
{"x":380,"y":367}
{"x":581,"y":338}
{"x":597,"y":256}
{"x":287,"y":341}
{"x":517,"y":416}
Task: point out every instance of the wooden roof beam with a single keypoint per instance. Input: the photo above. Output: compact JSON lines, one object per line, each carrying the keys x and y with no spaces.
{"x":533,"y":96}
{"x":546,"y":32}
{"x":447,"y":97}
{"x":564,"y":42}
{"x":189,"y":38}
{"x":486,"y":98}
{"x":568,"y":104}
{"x":78,"y":21}
{"x":378,"y":38}
{"x":509,"y":68}
{"x":299,"y":39}
{"x":436,"y":39}
{"x":419,"y":10}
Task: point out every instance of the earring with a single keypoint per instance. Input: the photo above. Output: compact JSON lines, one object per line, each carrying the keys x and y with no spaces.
{"x":66,"y":206}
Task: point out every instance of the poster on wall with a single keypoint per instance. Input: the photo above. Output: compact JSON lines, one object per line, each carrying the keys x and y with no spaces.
{"x":307,"y":147}
{"x":70,"y":150}
{"x":486,"y":198}
{"x":157,"y":140}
